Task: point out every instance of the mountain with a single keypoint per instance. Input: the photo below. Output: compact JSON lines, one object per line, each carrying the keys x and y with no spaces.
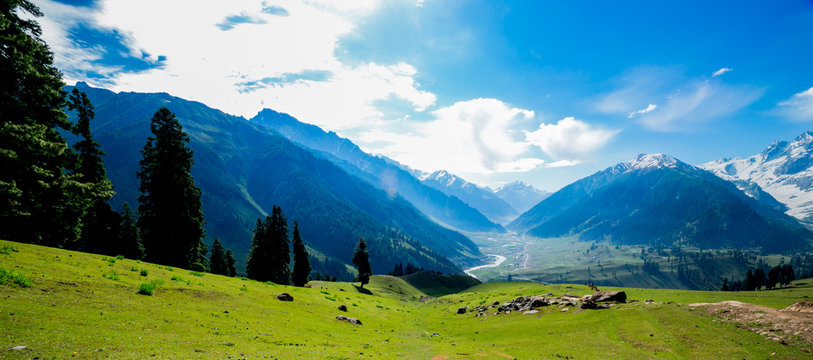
{"x":521,"y":196}
{"x":381,"y":172}
{"x":661,"y":201}
{"x":784,"y":170}
{"x":482,"y":199}
{"x":243,"y":169}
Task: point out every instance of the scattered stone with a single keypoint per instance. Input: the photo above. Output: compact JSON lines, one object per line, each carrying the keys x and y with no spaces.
{"x":602,"y":296}
{"x":462,"y":310}
{"x":349,"y":319}
{"x":530,"y":312}
{"x":285,"y":297}
{"x":18,"y":347}
{"x":588,"y":304}
{"x":804,"y":306}
{"x":435,"y":334}
{"x":565,"y":309}
{"x":342,"y":307}
{"x":649,"y":301}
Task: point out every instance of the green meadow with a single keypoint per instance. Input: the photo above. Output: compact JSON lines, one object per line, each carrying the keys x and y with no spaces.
{"x":68,"y":305}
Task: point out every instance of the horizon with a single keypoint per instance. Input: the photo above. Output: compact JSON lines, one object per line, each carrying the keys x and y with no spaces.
{"x":544,"y":93}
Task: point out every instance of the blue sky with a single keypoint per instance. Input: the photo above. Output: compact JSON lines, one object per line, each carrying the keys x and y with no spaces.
{"x":541,"y":91}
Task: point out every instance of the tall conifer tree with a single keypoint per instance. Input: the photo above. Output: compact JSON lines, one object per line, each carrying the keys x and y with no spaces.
{"x":230,"y":261}
{"x":43,"y":199}
{"x":100,"y":225}
{"x":270,"y":252}
{"x":361,"y":259}
{"x":170,"y":214}
{"x":217,"y":259}
{"x":129,"y":237}
{"x":302,"y":264}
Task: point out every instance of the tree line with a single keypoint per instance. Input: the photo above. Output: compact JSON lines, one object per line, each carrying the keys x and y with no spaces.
{"x":781,"y":275}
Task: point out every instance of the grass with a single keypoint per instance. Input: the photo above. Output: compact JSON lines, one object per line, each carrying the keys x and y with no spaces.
{"x":147,"y":288}
{"x":439,"y":284}
{"x":221,"y":317}
{"x":14,"y":278}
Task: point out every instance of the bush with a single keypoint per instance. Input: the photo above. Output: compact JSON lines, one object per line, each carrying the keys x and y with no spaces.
{"x":180,"y":279}
{"x":119,"y":257}
{"x":15,"y":278}
{"x":134,"y":269}
{"x":111,"y":275}
{"x":196,"y":273}
{"x":7,"y":250}
{"x":148,"y":288}
{"x":144,"y":272}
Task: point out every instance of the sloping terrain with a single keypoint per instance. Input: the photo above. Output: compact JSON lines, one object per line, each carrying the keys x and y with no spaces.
{"x":243,"y":169}
{"x":86,"y":306}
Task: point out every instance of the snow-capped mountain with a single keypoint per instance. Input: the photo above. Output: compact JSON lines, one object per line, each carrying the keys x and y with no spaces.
{"x":657,"y":199}
{"x":521,"y":196}
{"x":784,"y":170}
{"x":481,"y":198}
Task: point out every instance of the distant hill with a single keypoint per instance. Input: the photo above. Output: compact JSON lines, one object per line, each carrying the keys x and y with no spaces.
{"x":659,"y":200}
{"x":434,"y":284}
{"x":784,"y":170}
{"x":482,"y":199}
{"x":521,"y":196}
{"x":243,"y":169}
{"x":381,"y":172}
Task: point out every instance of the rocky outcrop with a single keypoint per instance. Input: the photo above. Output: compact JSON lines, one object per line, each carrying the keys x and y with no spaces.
{"x":349,"y":319}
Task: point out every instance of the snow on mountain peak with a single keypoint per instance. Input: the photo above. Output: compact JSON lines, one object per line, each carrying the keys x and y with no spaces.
{"x":657,"y":161}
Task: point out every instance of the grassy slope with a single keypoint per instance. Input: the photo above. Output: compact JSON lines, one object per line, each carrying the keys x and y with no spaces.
{"x":440,"y":284}
{"x":72,"y":310}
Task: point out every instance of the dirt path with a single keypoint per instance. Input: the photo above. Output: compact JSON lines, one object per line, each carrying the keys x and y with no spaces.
{"x":793,"y":325}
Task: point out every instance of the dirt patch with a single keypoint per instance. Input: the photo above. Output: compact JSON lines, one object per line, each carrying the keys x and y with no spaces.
{"x":440,"y":357}
{"x":791,"y":326}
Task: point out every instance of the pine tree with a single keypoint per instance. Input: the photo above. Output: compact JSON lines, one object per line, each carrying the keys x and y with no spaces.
{"x":270,"y":254}
{"x":170,"y":214}
{"x":100,"y":225}
{"x":259,"y":255}
{"x":129,"y":237}
{"x":43,"y":198}
{"x":230,"y":263}
{"x":361,"y":260}
{"x":302,"y":264}
{"x":217,"y":259}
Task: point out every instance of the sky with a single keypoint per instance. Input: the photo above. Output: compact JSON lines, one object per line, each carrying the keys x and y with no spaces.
{"x":545,"y":92}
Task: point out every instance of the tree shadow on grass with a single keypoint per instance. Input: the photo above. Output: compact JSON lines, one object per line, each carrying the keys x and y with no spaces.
{"x":362,"y":290}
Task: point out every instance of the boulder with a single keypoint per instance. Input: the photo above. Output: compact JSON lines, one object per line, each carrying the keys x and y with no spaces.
{"x":462,"y":310}
{"x":602,"y":296}
{"x":349,"y":319}
{"x":530,"y":312}
{"x":285,"y":297}
{"x":342,"y":307}
{"x":538,"y":301}
{"x":588,"y":304}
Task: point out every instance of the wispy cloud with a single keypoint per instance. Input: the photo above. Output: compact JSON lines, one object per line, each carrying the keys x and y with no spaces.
{"x":721,"y":71}
{"x":662,"y":100}
{"x":233,"y":20}
{"x":568,"y":140}
{"x":799,"y":107}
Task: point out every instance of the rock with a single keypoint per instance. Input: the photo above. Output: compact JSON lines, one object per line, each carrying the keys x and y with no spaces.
{"x":462,"y":310}
{"x":285,"y":297}
{"x":804,"y":306}
{"x":530,"y":312}
{"x":604,"y":306}
{"x":588,"y":304}
{"x":565,"y":309}
{"x":586,"y":297}
{"x":435,"y":334}
{"x":649,"y":301}
{"x":349,"y":319}
{"x":538,"y":301}
{"x":601,"y":296}
{"x":342,"y":307}
{"x":18,"y":347}
{"x":570,"y":299}
{"x":496,"y":303}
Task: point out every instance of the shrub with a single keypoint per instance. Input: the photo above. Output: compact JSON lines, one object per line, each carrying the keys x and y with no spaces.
{"x":119,"y":257}
{"x":15,"y":278}
{"x":243,"y":288}
{"x":7,"y":250}
{"x":148,"y":288}
{"x":134,"y":269}
{"x":197,"y":273}
{"x":180,"y":279}
{"x":111,"y":275}
{"x":144,"y":272}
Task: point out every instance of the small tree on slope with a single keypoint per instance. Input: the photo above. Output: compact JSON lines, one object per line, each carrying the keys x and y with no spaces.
{"x":361,"y":260}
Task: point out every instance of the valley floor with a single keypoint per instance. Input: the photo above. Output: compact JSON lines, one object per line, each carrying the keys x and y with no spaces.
{"x":61,"y":304}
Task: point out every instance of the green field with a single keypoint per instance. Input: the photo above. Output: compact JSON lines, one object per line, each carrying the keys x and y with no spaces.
{"x":86,"y":306}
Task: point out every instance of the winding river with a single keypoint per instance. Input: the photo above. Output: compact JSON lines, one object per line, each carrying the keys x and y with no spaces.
{"x":498,"y":260}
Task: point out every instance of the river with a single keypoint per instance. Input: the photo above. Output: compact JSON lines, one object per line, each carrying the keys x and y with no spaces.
{"x":497,"y":262}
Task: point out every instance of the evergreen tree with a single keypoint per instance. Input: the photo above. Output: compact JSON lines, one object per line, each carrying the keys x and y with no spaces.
{"x":750,"y":282}
{"x":773,"y":278}
{"x":725,"y":284}
{"x":43,"y":199}
{"x":759,"y":278}
{"x":270,"y":254}
{"x":170,"y":214}
{"x":100,"y":225}
{"x":230,"y":263}
{"x":129,"y":236}
{"x":217,"y":259}
{"x":302,"y":265}
{"x":361,"y":260}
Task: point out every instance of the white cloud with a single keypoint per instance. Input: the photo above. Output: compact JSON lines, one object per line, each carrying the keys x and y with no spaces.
{"x":682,"y":103}
{"x":569,"y":139}
{"x":799,"y":107}
{"x":649,"y":108}
{"x":563,"y":163}
{"x":721,"y":71}
{"x":213,"y":51}
{"x":476,"y":137}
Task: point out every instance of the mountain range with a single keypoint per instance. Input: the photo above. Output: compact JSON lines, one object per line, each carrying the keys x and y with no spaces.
{"x":243,"y":169}
{"x":521,"y":196}
{"x":658,"y":200}
{"x":784,"y":170}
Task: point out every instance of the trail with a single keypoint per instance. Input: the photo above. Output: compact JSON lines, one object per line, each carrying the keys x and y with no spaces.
{"x":499,"y":260}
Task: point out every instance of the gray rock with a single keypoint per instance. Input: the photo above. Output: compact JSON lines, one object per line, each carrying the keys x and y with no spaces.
{"x":342,"y":307}
{"x":285,"y":297}
{"x":462,"y":310}
{"x":349,"y":319}
{"x":18,"y":347}
{"x":530,"y":312}
{"x":601,"y":296}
